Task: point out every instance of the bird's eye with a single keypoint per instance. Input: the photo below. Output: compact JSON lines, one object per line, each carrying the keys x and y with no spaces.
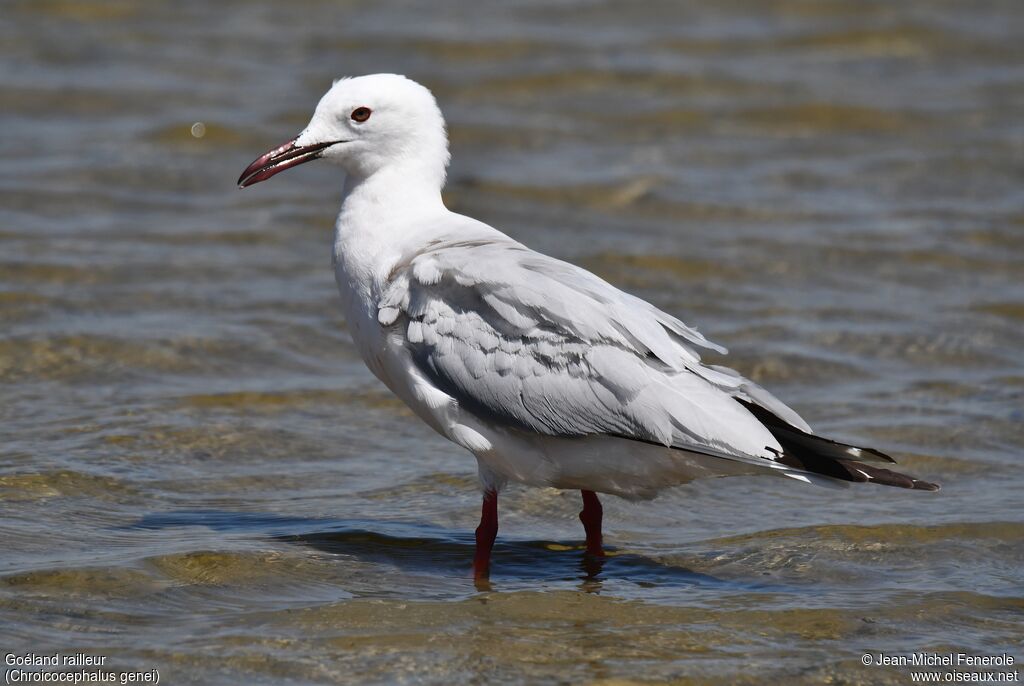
{"x":361,"y":114}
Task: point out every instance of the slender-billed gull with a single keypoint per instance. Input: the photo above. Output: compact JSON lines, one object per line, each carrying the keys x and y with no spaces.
{"x":549,"y":375}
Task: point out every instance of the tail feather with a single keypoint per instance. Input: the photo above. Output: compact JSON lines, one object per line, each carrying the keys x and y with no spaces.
{"x":817,"y":455}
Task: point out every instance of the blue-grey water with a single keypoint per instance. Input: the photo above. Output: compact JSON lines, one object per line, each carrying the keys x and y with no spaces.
{"x":198,"y":475}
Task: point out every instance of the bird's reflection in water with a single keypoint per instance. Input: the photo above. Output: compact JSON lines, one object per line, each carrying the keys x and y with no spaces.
{"x":589,"y":565}
{"x":439,"y":552}
{"x":592,"y":566}
{"x":514,"y":562}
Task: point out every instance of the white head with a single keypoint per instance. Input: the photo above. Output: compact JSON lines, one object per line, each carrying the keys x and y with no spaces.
{"x":366,"y":124}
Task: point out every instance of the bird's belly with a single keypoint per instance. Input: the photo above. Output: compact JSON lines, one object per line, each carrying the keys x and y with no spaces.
{"x":605,"y":464}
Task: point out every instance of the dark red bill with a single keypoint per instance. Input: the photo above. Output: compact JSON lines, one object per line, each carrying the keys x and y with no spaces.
{"x":282,"y":157}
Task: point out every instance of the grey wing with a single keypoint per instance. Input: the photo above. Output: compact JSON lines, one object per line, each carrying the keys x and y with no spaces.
{"x":529,"y":342}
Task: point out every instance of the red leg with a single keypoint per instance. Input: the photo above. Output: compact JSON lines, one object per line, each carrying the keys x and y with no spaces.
{"x":591,"y":518}
{"x":485,"y":535}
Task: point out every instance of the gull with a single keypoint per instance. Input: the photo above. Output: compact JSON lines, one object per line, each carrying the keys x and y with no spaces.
{"x":547,"y":374}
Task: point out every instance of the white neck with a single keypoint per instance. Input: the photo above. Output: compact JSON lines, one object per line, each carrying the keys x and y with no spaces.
{"x":382,"y":216}
{"x":397,"y":184}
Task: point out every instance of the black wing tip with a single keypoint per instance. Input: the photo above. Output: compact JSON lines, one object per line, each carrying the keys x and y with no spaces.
{"x":876,"y":454}
{"x":794,"y":439}
{"x":864,"y":473}
{"x":828,"y":457}
{"x":850,"y":470}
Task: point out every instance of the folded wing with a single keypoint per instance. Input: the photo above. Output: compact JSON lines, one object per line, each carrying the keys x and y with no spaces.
{"x":534,"y":343}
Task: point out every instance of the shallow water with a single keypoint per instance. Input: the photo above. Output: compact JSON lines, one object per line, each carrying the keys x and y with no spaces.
{"x":198,"y":474}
